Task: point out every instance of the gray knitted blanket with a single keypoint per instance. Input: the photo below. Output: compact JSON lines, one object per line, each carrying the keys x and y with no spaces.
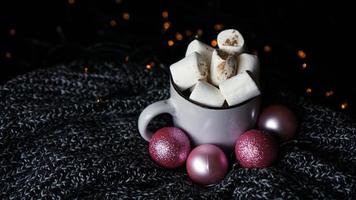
{"x":68,"y":132}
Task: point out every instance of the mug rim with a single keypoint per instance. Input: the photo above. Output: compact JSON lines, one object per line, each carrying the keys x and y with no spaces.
{"x":180,"y":93}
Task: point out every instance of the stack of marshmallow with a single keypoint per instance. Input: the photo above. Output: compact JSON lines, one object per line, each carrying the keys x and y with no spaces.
{"x":216,"y":75}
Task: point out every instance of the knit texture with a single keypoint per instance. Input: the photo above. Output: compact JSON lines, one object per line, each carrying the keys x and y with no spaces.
{"x":68,"y":133}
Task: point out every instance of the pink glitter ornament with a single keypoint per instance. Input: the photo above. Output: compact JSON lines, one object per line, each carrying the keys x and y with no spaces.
{"x":169,"y":147}
{"x":256,"y":149}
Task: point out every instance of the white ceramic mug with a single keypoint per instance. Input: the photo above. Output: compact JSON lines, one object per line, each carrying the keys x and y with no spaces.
{"x":203,"y":124}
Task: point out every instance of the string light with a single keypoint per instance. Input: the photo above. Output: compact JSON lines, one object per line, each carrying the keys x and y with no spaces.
{"x":165,"y":14}
{"x":12,"y":32}
{"x":166,"y":25}
{"x":113,"y":23}
{"x":308,"y":90}
{"x":126,"y":16}
{"x":170,"y":43}
{"x":150,"y":65}
{"x":8,"y":55}
{"x":214,"y":43}
{"x":344,"y":105}
{"x":301,"y":54}
{"x":218,"y":27}
{"x":98,"y":100}
{"x":267,"y":48}
{"x":179,"y":36}
{"x":329,"y":93}
{"x":188,"y":33}
{"x":71,"y":2}
{"x":304,"y":65}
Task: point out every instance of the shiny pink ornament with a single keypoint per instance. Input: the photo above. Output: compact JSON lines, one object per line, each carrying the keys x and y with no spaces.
{"x":169,"y":147}
{"x":256,"y":149}
{"x":278,"y":120}
{"x":207,"y":164}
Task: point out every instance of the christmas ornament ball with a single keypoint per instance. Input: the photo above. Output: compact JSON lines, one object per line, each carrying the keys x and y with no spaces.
{"x":256,"y":149}
{"x":169,"y":147}
{"x":278,"y":120}
{"x":207,"y":164}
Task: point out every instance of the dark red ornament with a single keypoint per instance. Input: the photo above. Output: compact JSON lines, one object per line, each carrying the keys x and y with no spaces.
{"x":278,"y":120}
{"x":256,"y":149}
{"x":207,"y":164}
{"x":169,"y":147}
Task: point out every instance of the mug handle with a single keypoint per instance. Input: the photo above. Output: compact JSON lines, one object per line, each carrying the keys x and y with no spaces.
{"x":149,"y":113}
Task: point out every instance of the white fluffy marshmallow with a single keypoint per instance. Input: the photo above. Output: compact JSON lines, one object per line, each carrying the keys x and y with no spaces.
{"x":207,"y":94}
{"x":203,"y":49}
{"x":188,"y":71}
{"x":239,"y":89}
{"x":248,"y":62}
{"x":231,"y":41}
{"x":223,"y":66}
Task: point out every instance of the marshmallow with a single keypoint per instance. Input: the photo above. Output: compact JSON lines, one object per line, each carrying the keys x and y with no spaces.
{"x":223,"y":66}
{"x":207,"y":94}
{"x":204,"y":50}
{"x":231,"y":41}
{"x":189,"y":70}
{"x":248,"y":62}
{"x":239,"y":89}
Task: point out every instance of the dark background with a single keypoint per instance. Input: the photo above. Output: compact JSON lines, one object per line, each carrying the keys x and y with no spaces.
{"x":38,"y":34}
